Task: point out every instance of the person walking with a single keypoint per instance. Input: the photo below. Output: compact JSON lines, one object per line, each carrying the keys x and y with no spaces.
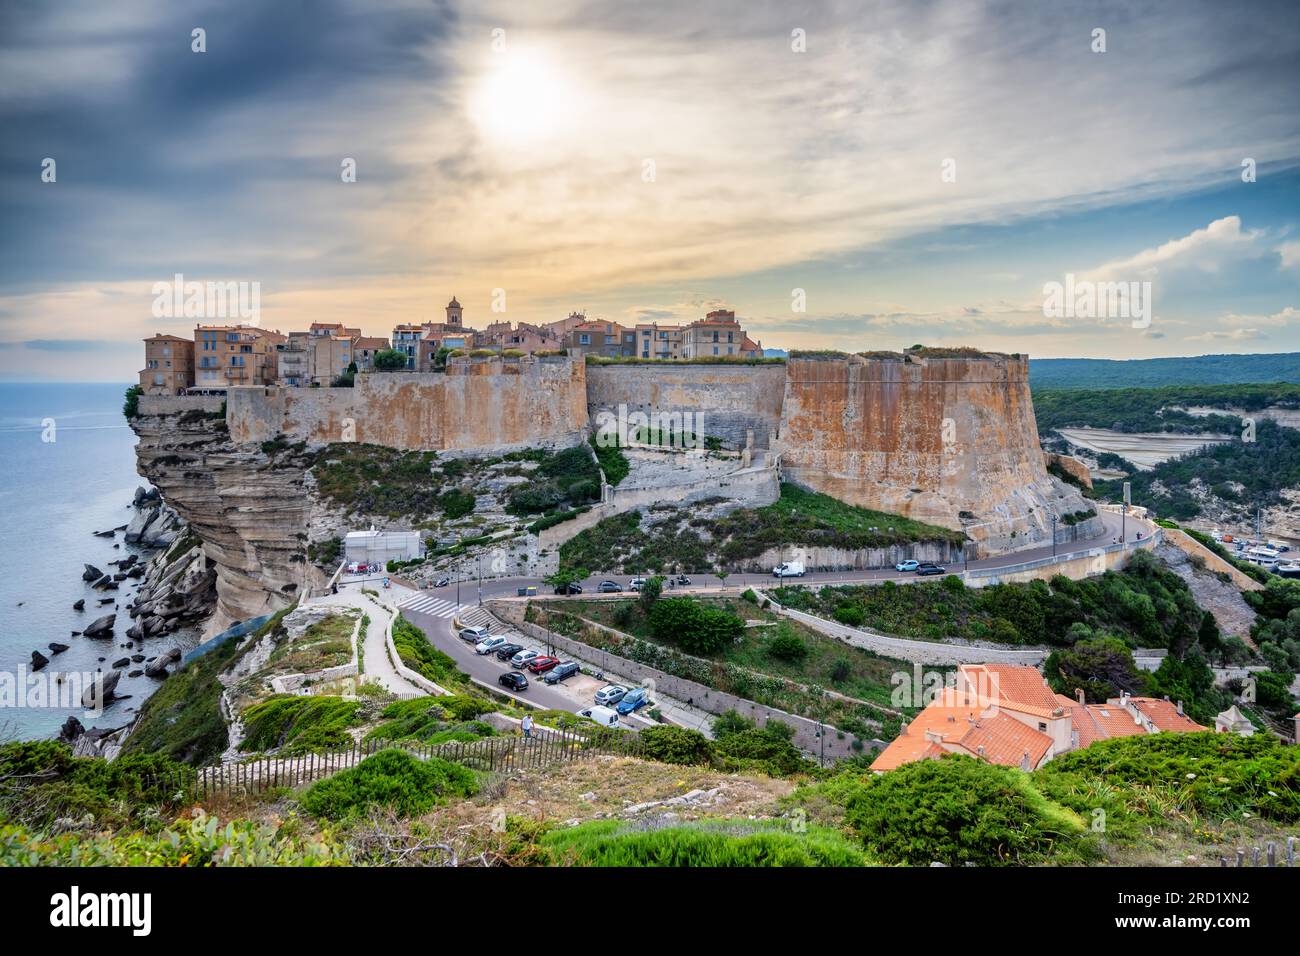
{"x":527,"y":726}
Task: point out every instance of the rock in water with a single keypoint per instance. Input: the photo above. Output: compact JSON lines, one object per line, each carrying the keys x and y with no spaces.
{"x":102,"y":690}
{"x":57,"y":648}
{"x":122,"y":662}
{"x":101,"y":626}
{"x":39,"y":660}
{"x":72,"y":729}
{"x":91,"y":573}
{"x":80,"y":604}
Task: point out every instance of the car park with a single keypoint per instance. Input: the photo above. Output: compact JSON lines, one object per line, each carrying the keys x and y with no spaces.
{"x":610,"y":694}
{"x":601,"y":715}
{"x":507,"y":651}
{"x":513,"y":680}
{"x":609,"y":587}
{"x":474,"y":634}
{"x":488,"y":645}
{"x":633,"y":700}
{"x":524,"y":657}
{"x":560,"y":671}
{"x":542,"y":664}
{"x":931,"y":569}
{"x":909,"y":565}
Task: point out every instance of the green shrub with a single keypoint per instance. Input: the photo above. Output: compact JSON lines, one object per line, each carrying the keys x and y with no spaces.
{"x":668,"y":744}
{"x":296,"y":724}
{"x":740,"y":843}
{"x":958,"y":810}
{"x":787,"y":646}
{"x":697,"y":628}
{"x":390,"y":778}
{"x":851,"y":614}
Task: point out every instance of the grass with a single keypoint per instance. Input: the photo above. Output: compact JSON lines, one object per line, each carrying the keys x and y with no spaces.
{"x":293,"y":724}
{"x":390,"y":778}
{"x":715,"y":843}
{"x":182,"y":719}
{"x":325,"y":644}
{"x":691,"y":544}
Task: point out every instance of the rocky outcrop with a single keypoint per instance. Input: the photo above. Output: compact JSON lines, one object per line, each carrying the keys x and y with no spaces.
{"x":178,"y":590}
{"x":154,"y":526}
{"x":101,"y":626}
{"x":1069,"y":465}
{"x":247,"y":509}
{"x":942,"y":436}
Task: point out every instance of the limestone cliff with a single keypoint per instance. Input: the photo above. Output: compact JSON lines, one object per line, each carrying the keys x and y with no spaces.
{"x":248,"y":507}
{"x":943,"y":436}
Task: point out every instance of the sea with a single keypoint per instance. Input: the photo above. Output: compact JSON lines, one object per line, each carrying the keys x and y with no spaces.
{"x":67,"y":470}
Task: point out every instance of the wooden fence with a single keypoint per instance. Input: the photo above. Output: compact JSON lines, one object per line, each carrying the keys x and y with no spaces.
{"x":497,"y":755}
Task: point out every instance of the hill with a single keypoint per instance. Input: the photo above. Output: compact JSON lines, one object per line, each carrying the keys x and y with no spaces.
{"x":1152,"y":373}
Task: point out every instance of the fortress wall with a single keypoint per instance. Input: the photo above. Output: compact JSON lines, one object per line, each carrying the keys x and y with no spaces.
{"x":951,"y":441}
{"x":474,"y":406}
{"x":732,"y":398}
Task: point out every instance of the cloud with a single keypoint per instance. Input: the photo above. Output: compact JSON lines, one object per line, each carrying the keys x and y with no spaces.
{"x":1290,"y":253}
{"x":1231,"y":335}
{"x":76,"y":345}
{"x":1208,"y":249}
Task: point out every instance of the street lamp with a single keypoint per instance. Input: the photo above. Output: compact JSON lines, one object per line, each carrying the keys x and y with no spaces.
{"x":1053,"y":534}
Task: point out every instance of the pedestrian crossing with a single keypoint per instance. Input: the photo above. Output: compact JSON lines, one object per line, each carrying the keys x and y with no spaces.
{"x":435,"y":606}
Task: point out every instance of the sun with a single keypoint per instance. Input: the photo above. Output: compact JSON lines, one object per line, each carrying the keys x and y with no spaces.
{"x":523,"y":97}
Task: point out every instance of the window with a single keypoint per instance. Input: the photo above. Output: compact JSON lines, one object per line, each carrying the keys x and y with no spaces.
{"x":715,"y":338}
{"x":1042,"y":726}
{"x":584,"y":338}
{"x":715,"y":350}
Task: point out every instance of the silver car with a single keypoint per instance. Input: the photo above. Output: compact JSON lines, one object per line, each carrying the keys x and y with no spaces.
{"x":610,"y":694}
{"x":523,"y":657}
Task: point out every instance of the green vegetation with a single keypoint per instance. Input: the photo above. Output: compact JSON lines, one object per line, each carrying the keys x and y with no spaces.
{"x":1239,"y":473}
{"x":696,"y":627}
{"x":131,"y":403}
{"x":1146,"y":605}
{"x":758,"y":663}
{"x":389,"y":360}
{"x":422,"y":657}
{"x":1200,"y":371}
{"x":713,"y":843}
{"x":372,"y":479}
{"x":41,"y":782}
{"x":958,"y":810}
{"x":325,"y":644}
{"x":390,"y":778}
{"x":200,"y":841}
{"x":295,"y":725}
{"x":182,"y":718}
{"x":612,"y":461}
{"x":1153,"y":409}
{"x":1276,"y":633}
{"x":739,"y":747}
{"x":325,"y":553}
{"x":563,"y":480}
{"x":622,"y":543}
{"x":434,"y":720}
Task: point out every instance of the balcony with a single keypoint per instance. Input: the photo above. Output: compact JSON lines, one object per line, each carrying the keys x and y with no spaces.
{"x":237,"y":374}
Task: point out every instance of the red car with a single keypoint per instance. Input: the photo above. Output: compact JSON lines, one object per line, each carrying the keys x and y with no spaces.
{"x":540,"y":664}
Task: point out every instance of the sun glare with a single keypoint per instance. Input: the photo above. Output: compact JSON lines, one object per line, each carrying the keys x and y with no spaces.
{"x":522,"y":97}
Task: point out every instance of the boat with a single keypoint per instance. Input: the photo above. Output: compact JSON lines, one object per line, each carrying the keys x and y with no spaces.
{"x":1288,"y":569}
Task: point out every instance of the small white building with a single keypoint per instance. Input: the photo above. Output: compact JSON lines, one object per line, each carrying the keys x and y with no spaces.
{"x":1233,"y":721}
{"x":380,"y":547}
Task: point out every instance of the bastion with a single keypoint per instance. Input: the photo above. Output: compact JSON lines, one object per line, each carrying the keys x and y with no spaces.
{"x":946,"y":436}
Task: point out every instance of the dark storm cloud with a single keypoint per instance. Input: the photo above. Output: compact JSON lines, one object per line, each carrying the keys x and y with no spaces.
{"x":131,"y":114}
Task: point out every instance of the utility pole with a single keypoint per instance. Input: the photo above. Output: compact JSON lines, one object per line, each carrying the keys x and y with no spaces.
{"x":480,"y":580}
{"x":1123,"y":518}
{"x":1053,"y":534}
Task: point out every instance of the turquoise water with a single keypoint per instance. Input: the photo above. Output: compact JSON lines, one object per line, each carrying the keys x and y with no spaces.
{"x":53,"y":496}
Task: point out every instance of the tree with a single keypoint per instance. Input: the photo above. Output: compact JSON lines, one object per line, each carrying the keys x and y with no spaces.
{"x":131,"y":406}
{"x":650,"y":592}
{"x":1100,"y":667}
{"x":562,"y":579}
{"x":722,"y":576}
{"x":388,"y":360}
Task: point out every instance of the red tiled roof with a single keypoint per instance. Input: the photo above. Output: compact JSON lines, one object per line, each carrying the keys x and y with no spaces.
{"x":1164,"y":715}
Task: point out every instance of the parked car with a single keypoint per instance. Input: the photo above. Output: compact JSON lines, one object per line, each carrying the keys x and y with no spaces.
{"x":683,"y":581}
{"x":788,"y":569}
{"x":488,"y":645}
{"x":523,"y":657}
{"x":601,"y":715}
{"x":507,"y":651}
{"x":610,"y":694}
{"x":560,"y":671}
{"x":908,"y":565}
{"x":572,"y":587}
{"x":633,"y":700}
{"x":442,"y":582}
{"x":513,"y":680}
{"x":608,"y":587}
{"x":931,"y":569}
{"x":636,"y":584}
{"x":474,"y":634}
{"x":542,"y":664}
{"x":357,"y":567}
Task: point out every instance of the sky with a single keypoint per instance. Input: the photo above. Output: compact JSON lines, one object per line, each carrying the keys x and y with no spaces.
{"x":844,"y":175}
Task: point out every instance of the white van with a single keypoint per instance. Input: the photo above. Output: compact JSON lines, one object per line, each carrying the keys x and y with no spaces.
{"x":601,"y":715}
{"x":790,"y":569}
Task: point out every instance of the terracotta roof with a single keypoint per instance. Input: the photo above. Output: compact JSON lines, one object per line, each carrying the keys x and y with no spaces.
{"x":159,"y":337}
{"x":1006,"y":741}
{"x":373,"y":343}
{"x":1164,"y":715}
{"x":1113,"y":720}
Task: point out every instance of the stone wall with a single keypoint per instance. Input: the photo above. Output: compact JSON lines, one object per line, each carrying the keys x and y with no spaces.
{"x":950,"y":440}
{"x":176,"y":404}
{"x":1192,"y":548}
{"x":476,"y":405}
{"x":734,"y":399}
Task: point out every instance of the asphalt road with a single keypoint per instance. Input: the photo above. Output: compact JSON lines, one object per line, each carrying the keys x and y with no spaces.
{"x":707,"y":583}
